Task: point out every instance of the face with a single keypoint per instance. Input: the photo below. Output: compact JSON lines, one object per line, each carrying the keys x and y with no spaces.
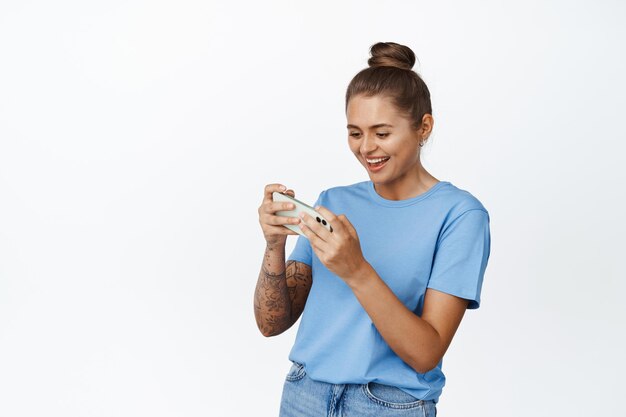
{"x":376,"y":129}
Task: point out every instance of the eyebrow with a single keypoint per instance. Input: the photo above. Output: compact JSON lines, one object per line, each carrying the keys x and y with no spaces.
{"x":373,"y":126}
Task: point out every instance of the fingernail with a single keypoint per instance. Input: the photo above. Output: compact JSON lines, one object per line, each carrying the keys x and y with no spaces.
{"x":283,"y":188}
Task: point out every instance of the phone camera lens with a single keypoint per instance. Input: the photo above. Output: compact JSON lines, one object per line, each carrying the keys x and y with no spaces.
{"x":318,"y":219}
{"x":324,"y":222}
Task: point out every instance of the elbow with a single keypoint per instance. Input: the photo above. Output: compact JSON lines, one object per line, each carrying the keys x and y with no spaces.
{"x":270,"y":325}
{"x":424,"y":365}
{"x":266,"y":334}
{"x":269,"y":332}
{"x":426,"y":369}
{"x":421,"y":369}
{"x":428,"y":357}
{"x":265,"y":331}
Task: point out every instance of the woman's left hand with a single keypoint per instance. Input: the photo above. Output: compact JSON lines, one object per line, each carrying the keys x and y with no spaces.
{"x":339,"y":250}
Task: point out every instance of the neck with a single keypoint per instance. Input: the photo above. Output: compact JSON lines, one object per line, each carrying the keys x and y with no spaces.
{"x":412,"y":183}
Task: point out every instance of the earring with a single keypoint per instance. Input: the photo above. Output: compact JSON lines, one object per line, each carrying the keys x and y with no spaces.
{"x":421,"y":144}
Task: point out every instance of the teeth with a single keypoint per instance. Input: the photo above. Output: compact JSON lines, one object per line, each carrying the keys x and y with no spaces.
{"x":373,"y":161}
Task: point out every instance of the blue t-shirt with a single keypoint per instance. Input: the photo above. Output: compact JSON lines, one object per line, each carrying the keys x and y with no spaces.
{"x":439,"y":239}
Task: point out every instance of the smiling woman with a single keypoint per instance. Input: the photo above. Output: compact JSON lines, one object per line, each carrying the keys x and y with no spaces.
{"x":390,"y":116}
{"x":383,"y":295}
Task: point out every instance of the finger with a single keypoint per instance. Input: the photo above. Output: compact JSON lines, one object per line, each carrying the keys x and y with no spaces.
{"x":280,"y":220}
{"x":274,"y":206}
{"x":314,"y":225}
{"x":281,"y":230}
{"x":314,"y":239}
{"x":330,"y":217}
{"x":320,"y":235}
{"x":270,"y":188}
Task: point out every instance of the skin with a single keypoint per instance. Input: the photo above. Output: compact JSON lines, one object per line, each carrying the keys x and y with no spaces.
{"x":420,"y":341}
{"x":404,"y":176}
{"x":282,"y":288}
{"x":280,"y":296}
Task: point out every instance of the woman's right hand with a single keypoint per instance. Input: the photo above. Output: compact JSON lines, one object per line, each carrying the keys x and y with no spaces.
{"x":273,"y":230}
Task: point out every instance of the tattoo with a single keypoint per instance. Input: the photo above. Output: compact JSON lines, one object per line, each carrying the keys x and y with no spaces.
{"x":299,"y":282}
{"x":280,"y":297}
{"x":271,"y":300}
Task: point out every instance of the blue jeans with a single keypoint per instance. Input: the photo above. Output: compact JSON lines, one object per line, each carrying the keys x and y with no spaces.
{"x":304,"y":397}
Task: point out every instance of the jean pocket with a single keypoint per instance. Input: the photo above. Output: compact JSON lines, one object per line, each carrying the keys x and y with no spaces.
{"x":296,"y":372}
{"x":390,"y":396}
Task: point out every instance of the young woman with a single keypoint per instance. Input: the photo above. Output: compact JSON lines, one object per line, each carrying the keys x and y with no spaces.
{"x":382,"y":295}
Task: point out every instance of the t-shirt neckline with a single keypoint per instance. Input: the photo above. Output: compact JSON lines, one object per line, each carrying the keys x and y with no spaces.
{"x":401,"y":203}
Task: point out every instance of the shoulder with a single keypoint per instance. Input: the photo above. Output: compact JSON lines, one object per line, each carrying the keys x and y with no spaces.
{"x":458,"y":201}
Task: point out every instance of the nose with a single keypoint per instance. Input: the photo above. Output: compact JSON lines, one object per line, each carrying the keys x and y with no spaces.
{"x":368,"y":144}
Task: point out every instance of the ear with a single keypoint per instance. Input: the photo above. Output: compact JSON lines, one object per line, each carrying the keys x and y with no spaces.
{"x":427,"y":126}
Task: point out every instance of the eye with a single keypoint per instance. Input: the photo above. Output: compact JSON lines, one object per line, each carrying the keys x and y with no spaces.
{"x":380,"y":135}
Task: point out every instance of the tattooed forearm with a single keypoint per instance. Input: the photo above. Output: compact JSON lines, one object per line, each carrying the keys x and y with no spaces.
{"x":299,"y":281}
{"x":281,"y":292}
{"x":272,"y":304}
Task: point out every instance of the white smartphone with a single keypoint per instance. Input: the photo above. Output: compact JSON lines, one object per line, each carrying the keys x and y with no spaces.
{"x":300,"y":207}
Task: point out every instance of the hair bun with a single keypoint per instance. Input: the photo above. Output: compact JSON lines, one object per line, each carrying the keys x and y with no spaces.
{"x":391,"y":54}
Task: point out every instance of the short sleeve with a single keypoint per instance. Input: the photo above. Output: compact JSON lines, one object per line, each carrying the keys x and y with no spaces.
{"x":302,"y":251}
{"x":461,"y":257}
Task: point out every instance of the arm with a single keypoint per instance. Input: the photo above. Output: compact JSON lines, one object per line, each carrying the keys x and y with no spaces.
{"x":420,"y":341}
{"x":281,"y":291}
{"x":299,"y":281}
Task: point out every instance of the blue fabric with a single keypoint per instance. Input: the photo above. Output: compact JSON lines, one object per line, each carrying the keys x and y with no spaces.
{"x":304,"y":397}
{"x":439,"y":239}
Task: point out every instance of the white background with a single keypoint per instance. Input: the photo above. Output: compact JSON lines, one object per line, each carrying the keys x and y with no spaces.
{"x":136,"y":138}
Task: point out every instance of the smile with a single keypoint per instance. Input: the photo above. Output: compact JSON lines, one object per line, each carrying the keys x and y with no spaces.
{"x":375,"y":167}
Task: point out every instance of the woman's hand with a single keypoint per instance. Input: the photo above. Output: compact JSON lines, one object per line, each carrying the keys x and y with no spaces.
{"x":339,"y":250}
{"x":274,"y":231}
